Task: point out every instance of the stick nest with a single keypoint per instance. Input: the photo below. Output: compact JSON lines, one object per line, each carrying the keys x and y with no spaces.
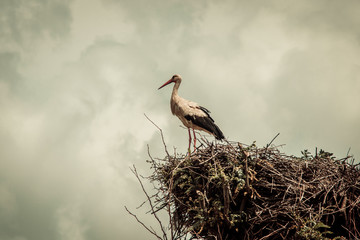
{"x":236,"y":191}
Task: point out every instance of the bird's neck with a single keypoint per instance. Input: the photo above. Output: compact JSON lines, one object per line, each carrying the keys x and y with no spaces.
{"x":175,"y":89}
{"x":174,"y":97}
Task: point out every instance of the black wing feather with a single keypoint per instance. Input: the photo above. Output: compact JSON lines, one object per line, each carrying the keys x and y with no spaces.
{"x":207,"y":112}
{"x":206,"y":123}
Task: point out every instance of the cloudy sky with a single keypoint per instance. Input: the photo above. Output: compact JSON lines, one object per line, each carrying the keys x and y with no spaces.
{"x":77,"y":76}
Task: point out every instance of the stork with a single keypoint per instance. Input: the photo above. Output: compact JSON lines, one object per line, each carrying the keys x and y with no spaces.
{"x":191,"y":114}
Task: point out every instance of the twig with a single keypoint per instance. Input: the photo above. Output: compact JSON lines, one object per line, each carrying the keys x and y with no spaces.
{"x":274,"y":232}
{"x":272,"y":190}
{"x":138,"y":220}
{"x":149,"y":200}
{"x":247,"y":185}
{"x":161,"y":133}
{"x":347,"y":154}
{"x":271,"y":142}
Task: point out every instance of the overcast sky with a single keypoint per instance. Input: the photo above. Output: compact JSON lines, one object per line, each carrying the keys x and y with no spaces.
{"x":76,"y":77}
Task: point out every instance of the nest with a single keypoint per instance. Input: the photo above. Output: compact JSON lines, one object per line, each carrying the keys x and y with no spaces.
{"x":236,"y":191}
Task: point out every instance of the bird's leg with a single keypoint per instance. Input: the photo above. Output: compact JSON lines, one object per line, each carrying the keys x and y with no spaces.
{"x":194,"y":140}
{"x":189,"y":140}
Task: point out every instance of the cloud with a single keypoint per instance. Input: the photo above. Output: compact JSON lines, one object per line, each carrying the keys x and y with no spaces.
{"x":78,"y":76}
{"x":75,"y":145}
{"x":71,"y":126}
{"x":70,"y":224}
{"x":315,"y":94}
{"x":24,"y":23}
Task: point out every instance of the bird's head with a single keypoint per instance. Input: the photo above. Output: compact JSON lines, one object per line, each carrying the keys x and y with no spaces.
{"x":174,"y":78}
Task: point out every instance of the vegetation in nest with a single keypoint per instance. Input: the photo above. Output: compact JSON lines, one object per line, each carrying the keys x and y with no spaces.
{"x":237,"y":191}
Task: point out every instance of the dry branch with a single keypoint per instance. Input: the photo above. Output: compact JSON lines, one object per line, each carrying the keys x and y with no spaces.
{"x":236,"y":191}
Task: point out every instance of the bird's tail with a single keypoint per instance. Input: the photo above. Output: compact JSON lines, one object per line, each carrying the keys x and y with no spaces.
{"x":218,"y":133}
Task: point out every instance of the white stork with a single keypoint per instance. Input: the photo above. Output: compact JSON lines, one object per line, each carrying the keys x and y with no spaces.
{"x":191,"y":114}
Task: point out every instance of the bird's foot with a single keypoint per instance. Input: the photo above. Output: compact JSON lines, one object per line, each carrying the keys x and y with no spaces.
{"x":195,"y":150}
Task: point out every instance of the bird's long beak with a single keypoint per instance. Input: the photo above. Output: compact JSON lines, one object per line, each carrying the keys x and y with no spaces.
{"x":168,"y":82}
